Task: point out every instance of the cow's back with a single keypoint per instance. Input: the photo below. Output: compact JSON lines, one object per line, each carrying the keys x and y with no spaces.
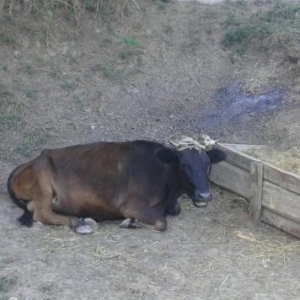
{"x":96,"y":180}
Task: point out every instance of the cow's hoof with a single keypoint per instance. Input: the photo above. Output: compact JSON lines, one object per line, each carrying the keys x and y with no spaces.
{"x":84,"y":229}
{"x":129,"y":223}
{"x":126,"y":223}
{"x":90,"y":221}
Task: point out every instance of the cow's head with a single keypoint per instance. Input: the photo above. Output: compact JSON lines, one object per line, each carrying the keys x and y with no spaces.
{"x":195,"y":166}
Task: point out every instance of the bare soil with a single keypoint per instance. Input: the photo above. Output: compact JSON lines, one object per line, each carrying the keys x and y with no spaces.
{"x":154,"y":74}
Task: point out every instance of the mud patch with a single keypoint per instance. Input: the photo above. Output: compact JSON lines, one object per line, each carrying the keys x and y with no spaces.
{"x":234,"y":106}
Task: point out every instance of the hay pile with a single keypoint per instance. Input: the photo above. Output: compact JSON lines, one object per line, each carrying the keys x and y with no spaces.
{"x":288,"y":160}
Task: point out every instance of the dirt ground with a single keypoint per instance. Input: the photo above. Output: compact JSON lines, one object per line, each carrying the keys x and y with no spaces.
{"x":157,"y":73}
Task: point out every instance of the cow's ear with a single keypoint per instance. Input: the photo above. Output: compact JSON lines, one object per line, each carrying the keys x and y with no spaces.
{"x":167,"y":156}
{"x":216,"y":155}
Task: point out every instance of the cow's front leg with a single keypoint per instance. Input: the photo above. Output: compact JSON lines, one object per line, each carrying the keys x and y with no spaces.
{"x":173,"y":209}
{"x":144,"y":217}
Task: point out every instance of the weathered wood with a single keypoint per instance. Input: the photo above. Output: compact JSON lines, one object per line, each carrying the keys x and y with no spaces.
{"x":282,"y":178}
{"x":231,"y":178}
{"x":256,"y":190}
{"x":274,"y":194}
{"x":236,"y":158}
{"x":283,"y":202}
{"x":278,"y":221}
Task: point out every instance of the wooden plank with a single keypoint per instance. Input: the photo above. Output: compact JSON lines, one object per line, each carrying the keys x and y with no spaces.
{"x":236,"y":158}
{"x":282,"y":178}
{"x":278,"y":221}
{"x":242,"y":147}
{"x":283,"y":202}
{"x":256,"y":190}
{"x":231,"y":178}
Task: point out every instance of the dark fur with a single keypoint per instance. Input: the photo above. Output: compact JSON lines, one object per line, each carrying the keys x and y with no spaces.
{"x":106,"y":181}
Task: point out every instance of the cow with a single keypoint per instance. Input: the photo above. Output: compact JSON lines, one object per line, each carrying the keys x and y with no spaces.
{"x":137,"y":181}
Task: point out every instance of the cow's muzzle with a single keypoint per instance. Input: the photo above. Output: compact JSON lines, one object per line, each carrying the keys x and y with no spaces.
{"x":201,"y":199}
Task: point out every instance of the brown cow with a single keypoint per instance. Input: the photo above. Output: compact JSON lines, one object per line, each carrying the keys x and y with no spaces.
{"x":139,"y":181}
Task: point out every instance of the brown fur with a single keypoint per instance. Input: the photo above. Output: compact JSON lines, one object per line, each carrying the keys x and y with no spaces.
{"x":87,"y":181}
{"x":137,"y":180}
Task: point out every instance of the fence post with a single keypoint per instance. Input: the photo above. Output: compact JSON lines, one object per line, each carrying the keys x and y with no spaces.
{"x":256,"y":189}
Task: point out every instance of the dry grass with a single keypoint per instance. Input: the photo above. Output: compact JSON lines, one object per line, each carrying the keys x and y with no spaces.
{"x":102,"y":8}
{"x":288,"y":160}
{"x":265,"y":250}
{"x":261,"y":248}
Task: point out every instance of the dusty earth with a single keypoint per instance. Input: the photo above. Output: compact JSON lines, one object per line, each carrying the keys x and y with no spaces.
{"x":156,"y":73}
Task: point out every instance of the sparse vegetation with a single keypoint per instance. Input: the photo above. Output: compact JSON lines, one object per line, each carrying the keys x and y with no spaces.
{"x":105,"y":9}
{"x":6,"y":284}
{"x":30,"y":93}
{"x":125,"y":54}
{"x":67,"y":85}
{"x":231,"y":20}
{"x":130,"y":48}
{"x":278,"y":26}
{"x":161,"y":5}
{"x":6,"y":38}
{"x":29,"y":70}
{"x":109,"y":71}
{"x":168,"y":30}
{"x":130,"y":42}
{"x":46,"y":288}
{"x":31,"y":142}
{"x":70,"y":15}
{"x":173,"y":93}
{"x":210,"y":13}
{"x":9,"y":121}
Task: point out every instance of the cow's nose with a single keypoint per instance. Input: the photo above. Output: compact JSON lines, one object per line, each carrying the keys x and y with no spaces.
{"x":205,"y":196}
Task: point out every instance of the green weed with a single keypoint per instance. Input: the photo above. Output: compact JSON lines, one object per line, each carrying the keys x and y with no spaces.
{"x":276,"y":26}
{"x":6,"y":284}
{"x":210,"y":13}
{"x":70,"y":15}
{"x":3,"y":21}
{"x":30,"y":93}
{"x":168,"y":30}
{"x":67,"y":85}
{"x":29,"y":70}
{"x":109,"y":71}
{"x":47,"y":287}
{"x":130,"y":42}
{"x":70,"y":58}
{"x":78,"y":102}
{"x":125,"y":54}
{"x":231,"y":20}
{"x":161,"y":5}
{"x":48,"y":16}
{"x":241,"y":3}
{"x":90,"y":5}
{"x":8,"y":39}
{"x":9,"y":121}
{"x":29,"y":27}
{"x":31,"y":142}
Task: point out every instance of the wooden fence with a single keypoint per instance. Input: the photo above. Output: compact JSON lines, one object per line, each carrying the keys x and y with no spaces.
{"x":273,"y":194}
